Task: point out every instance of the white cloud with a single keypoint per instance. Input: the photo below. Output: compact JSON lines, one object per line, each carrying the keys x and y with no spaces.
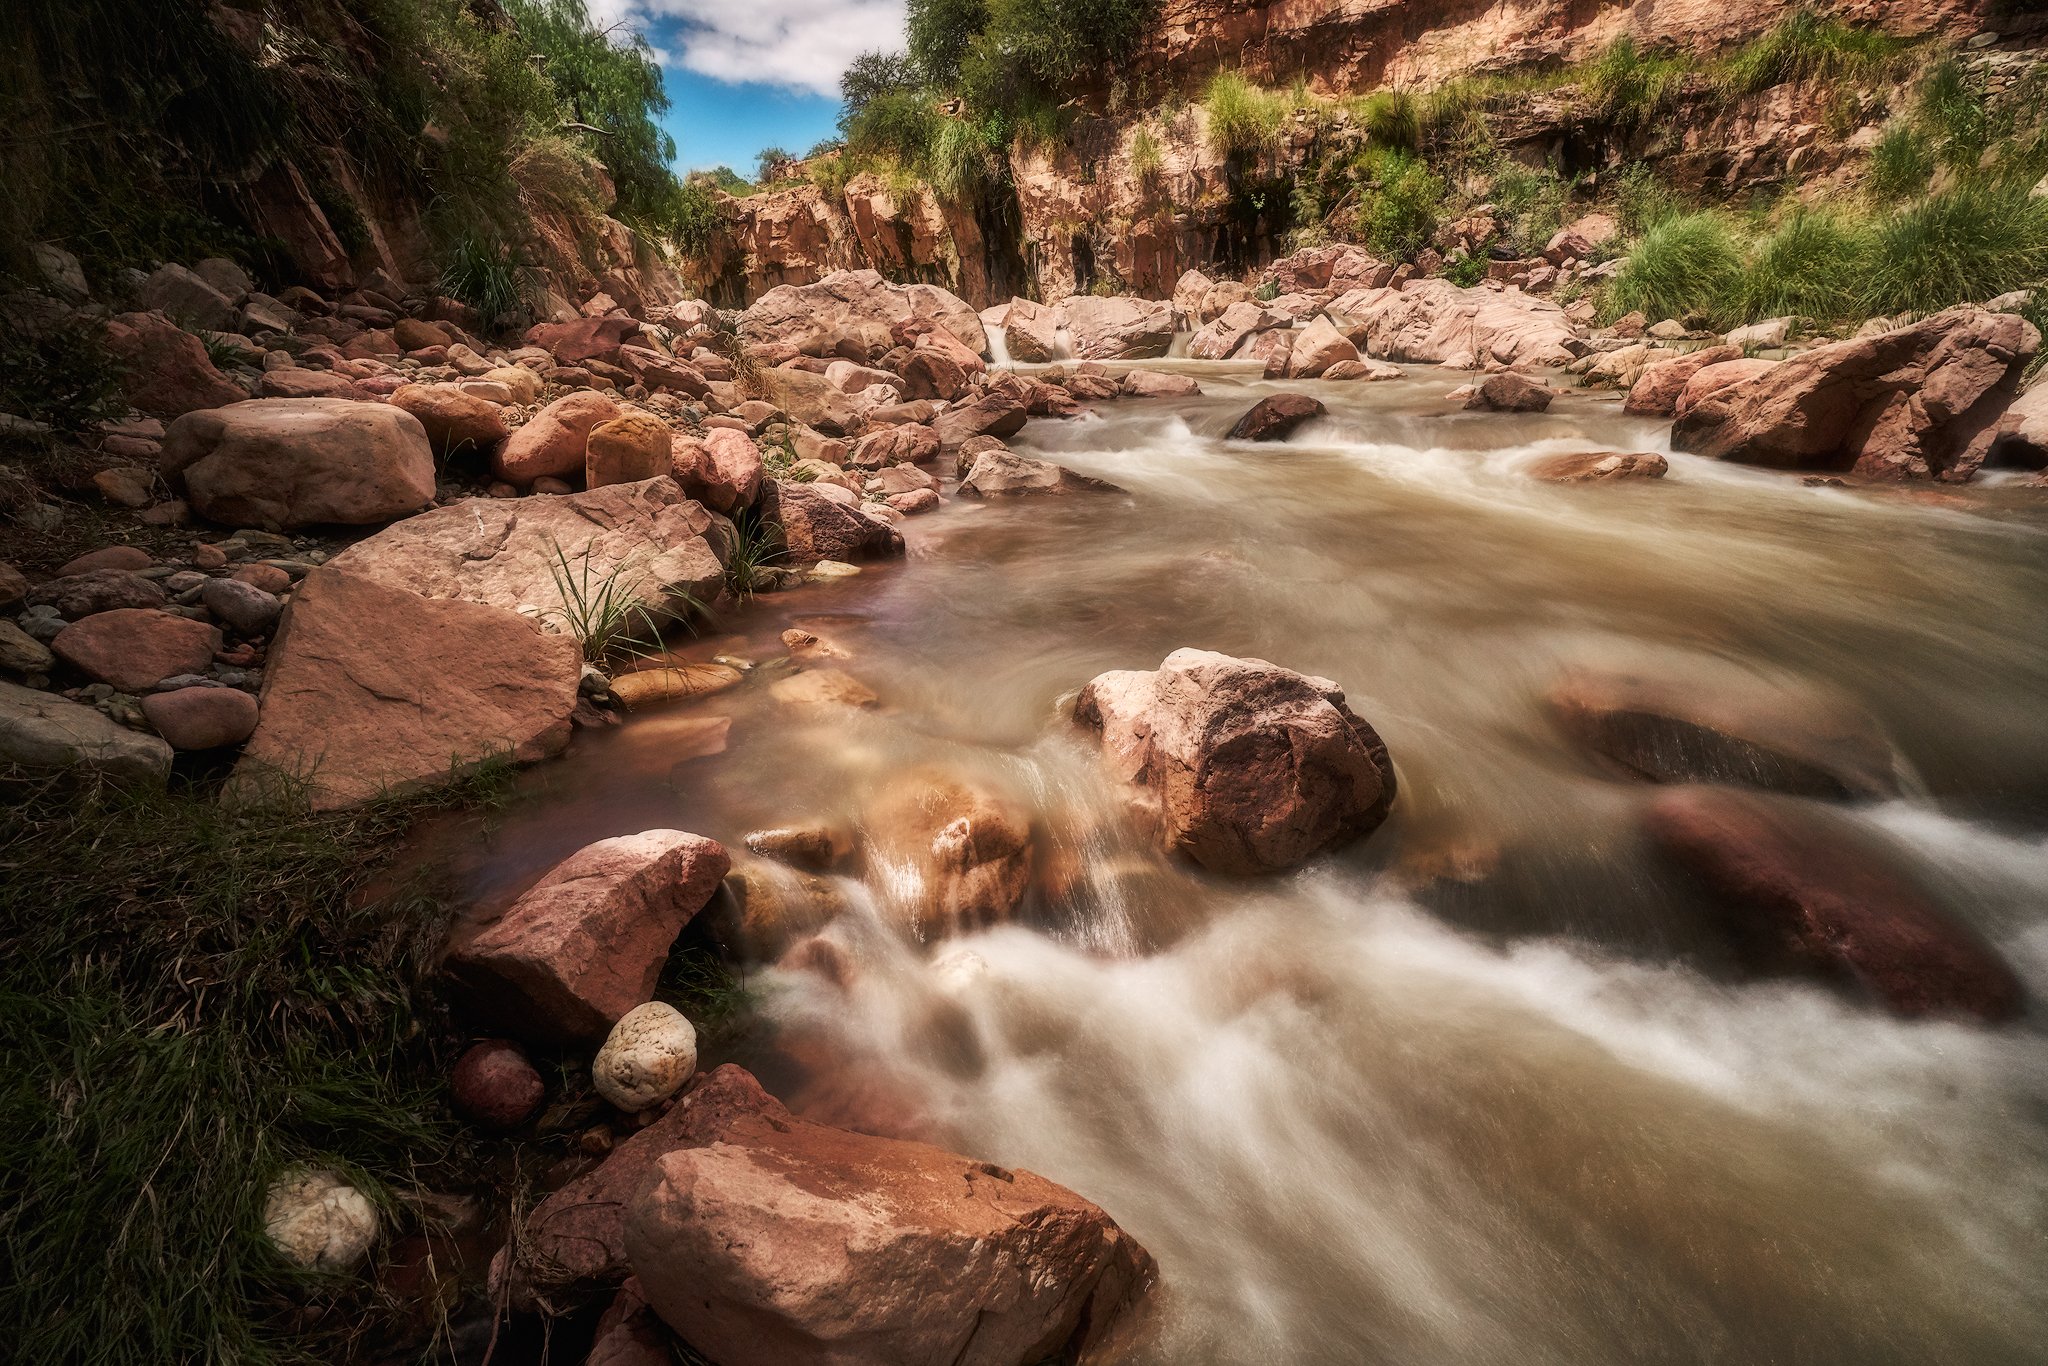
{"x":799,"y":44}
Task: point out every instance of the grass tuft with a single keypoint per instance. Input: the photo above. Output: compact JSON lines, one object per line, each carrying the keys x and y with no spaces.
{"x":602,"y":610}
{"x":1807,"y":46}
{"x":1970,"y":242}
{"x":1814,"y":265}
{"x":1683,"y":265}
{"x":1243,"y":119}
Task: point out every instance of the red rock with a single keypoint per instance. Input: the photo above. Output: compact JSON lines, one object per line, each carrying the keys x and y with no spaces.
{"x":553,"y":441}
{"x":267,"y":577}
{"x":1274,"y":417}
{"x":278,"y":463}
{"x":572,"y":343}
{"x":905,"y":444}
{"x":166,"y":369}
{"x":1910,"y":403}
{"x":1031,"y":331}
{"x":292,"y":382}
{"x":201,"y":718}
{"x":626,"y":449}
{"x":455,"y":421}
{"x":372,"y":689}
{"x":1806,"y":879}
{"x":1507,"y":392}
{"x":1272,"y":349}
{"x":125,"y":557}
{"x":1118,"y":327}
{"x":1728,"y":726}
{"x":657,"y":371}
{"x":914,"y":502}
{"x":630,"y":1333}
{"x":1434,"y":322}
{"x":855,"y":314}
{"x":1581,"y":467}
{"x":1580,"y":238}
{"x":815,"y":527}
{"x":722,"y":471}
{"x":1223,"y":335}
{"x":787,"y":1243}
{"x":1656,"y":390}
{"x":494,"y":1085}
{"x":585,"y":944}
{"x":134,"y":649}
{"x":414,"y":334}
{"x":929,"y":373}
{"x":1247,"y":767}
{"x":1710,"y":380}
{"x":1318,"y":347}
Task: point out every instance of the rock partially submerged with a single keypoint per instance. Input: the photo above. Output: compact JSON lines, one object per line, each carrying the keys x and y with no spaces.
{"x":1599,"y":467}
{"x":1245,"y":766}
{"x":1909,"y":403}
{"x":960,"y":855}
{"x":1006,"y":474}
{"x":788,"y":1243}
{"x":1805,"y":880}
{"x":1275,"y":417}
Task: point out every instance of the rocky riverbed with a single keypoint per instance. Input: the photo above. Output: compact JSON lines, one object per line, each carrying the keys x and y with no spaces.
{"x":1353,"y":816}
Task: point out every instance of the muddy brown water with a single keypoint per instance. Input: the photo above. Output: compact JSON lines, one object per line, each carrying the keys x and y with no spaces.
{"x":1487,"y":1086}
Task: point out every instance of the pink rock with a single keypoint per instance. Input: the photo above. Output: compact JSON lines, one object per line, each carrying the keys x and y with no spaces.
{"x":279,"y":463}
{"x":722,"y":471}
{"x":626,"y":449}
{"x":201,"y":718}
{"x":166,"y":369}
{"x":1655,"y":392}
{"x":134,"y":649}
{"x":108,"y":557}
{"x":572,"y":343}
{"x":455,"y":421}
{"x":585,"y":944}
{"x":553,"y":441}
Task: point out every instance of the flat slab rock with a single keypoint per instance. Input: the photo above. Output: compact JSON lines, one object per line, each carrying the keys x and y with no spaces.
{"x":1006,"y":474}
{"x":42,"y":732}
{"x":502,"y":552}
{"x":1246,"y":767}
{"x":372,"y":688}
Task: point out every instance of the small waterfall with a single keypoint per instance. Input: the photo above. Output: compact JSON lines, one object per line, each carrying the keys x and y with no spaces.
{"x":998,"y":344}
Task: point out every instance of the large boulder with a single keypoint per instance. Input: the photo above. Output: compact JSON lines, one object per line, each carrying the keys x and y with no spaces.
{"x":1656,"y":390}
{"x":993,"y":412}
{"x":816,"y":527}
{"x":585,"y":944}
{"x":1031,"y":331}
{"x":1909,"y":403}
{"x":1006,"y":474}
{"x":1580,"y":238}
{"x":188,"y":297}
{"x":1118,"y":327}
{"x":553,"y":441}
{"x":1434,"y":322}
{"x":373,"y":689}
{"x":788,"y":1243}
{"x":279,"y":463}
{"x":1709,"y":380}
{"x":1275,"y":417}
{"x":455,"y":420}
{"x":1722,"y":725}
{"x":1245,"y":766}
{"x":722,"y":471}
{"x":811,"y":399}
{"x":1323,"y":271}
{"x":629,"y":448}
{"x":41,"y":732}
{"x":1319,"y":347}
{"x":164,"y":368}
{"x":1223,"y":335}
{"x":649,"y":541}
{"x":1804,"y":881}
{"x":1504,"y":391}
{"x":960,"y":856}
{"x":857,"y":315}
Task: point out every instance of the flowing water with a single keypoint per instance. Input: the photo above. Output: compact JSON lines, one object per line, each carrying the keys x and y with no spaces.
{"x":1488,"y":1086}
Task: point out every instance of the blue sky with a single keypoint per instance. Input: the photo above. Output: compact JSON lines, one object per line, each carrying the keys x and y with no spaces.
{"x":748,"y":74}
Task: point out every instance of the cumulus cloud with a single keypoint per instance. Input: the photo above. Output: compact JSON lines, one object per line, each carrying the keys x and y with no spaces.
{"x":799,"y":44}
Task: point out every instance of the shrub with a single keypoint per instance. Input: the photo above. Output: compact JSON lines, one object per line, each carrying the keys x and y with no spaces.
{"x":485,"y":276}
{"x":767,"y":160}
{"x":1806,"y":46}
{"x":939,"y":32}
{"x":1641,"y":200}
{"x":1901,"y":163}
{"x":898,"y":124}
{"x":960,"y":164}
{"x":1466,"y":271}
{"x":1243,"y":119}
{"x":1814,"y":265}
{"x":1399,"y":213}
{"x":1974,"y":241}
{"x":57,"y":370}
{"x":1685,"y":264}
{"x":1534,"y":202}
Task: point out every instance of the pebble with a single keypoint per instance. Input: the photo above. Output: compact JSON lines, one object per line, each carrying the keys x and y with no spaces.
{"x":318,"y":1220}
{"x":209,"y":557}
{"x":494,"y":1084}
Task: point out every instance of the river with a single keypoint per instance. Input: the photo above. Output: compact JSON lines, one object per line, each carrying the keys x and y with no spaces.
{"x":1488,"y":1086}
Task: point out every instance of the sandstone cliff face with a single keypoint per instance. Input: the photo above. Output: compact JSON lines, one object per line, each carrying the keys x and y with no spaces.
{"x":1084,"y":217}
{"x":1343,"y":46}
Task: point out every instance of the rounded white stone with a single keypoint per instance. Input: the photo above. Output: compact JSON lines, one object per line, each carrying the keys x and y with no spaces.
{"x":319,"y":1220}
{"x":647,"y":1057}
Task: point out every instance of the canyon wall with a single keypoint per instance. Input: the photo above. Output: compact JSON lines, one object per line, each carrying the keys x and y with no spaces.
{"x":1085,"y":216}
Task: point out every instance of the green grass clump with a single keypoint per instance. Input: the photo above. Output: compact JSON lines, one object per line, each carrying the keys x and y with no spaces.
{"x":1971,"y":242}
{"x":1814,"y":265}
{"x":1145,"y":155}
{"x":1808,"y":46}
{"x":193,"y":998}
{"x":484,"y":275}
{"x":603,"y":609}
{"x":1630,"y":86}
{"x":1901,"y":163}
{"x":1393,"y":118}
{"x":1641,"y":200}
{"x":752,"y":549}
{"x":1243,"y":119}
{"x":1686,"y":264}
{"x":1398,"y":214}
{"x":1953,"y":115}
